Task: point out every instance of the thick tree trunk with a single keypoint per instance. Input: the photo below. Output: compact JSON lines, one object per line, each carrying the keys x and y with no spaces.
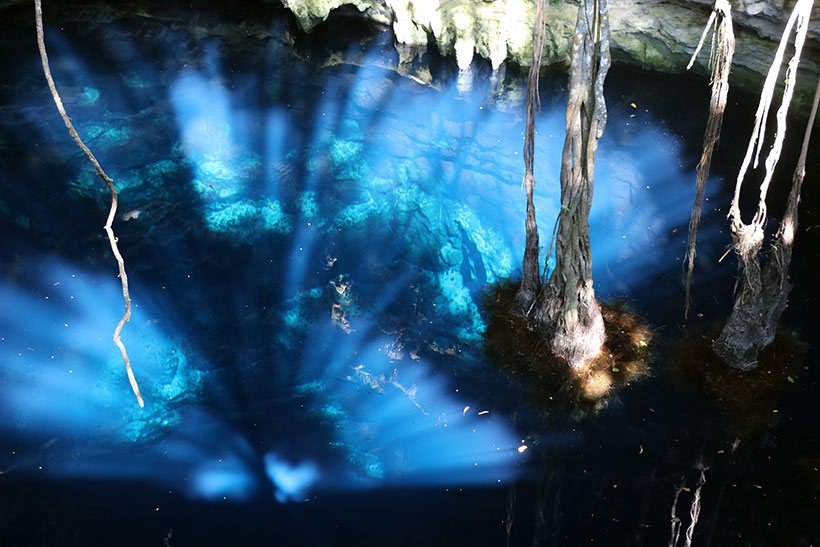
{"x":531,"y":281}
{"x":568,"y":309}
{"x":761,"y":299}
{"x":753,"y":323}
{"x":745,"y":333}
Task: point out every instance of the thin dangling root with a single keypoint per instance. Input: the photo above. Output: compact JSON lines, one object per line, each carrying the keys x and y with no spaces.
{"x":723,"y":48}
{"x":531,"y":282}
{"x":112,"y":240}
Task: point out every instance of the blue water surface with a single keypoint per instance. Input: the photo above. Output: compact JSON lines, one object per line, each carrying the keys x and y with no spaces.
{"x":309,"y":248}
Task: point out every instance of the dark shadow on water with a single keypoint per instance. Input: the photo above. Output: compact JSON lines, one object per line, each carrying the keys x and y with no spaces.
{"x":748,"y":401}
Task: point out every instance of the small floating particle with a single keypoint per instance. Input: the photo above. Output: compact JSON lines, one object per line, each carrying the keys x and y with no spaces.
{"x":641,"y":449}
{"x":633,"y":105}
{"x":758,"y":486}
{"x":790,"y":379}
{"x":775,"y":411}
{"x":522,"y":449}
{"x":721,"y":452}
{"x":466,"y":408}
{"x":685,"y":489}
{"x":483,"y":412}
{"x":133,"y":214}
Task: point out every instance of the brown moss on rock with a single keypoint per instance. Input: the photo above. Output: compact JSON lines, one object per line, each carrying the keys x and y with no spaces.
{"x":518,"y":348}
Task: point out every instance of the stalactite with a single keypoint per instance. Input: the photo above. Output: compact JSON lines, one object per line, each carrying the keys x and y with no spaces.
{"x":723,"y":48}
{"x":568,"y":309}
{"x":531,"y":282}
{"x":112,"y":212}
{"x":746,"y":331}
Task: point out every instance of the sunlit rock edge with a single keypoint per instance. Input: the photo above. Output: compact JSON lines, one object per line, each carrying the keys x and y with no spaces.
{"x":653,"y":34}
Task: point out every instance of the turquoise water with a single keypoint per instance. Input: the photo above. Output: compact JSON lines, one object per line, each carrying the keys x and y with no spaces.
{"x":308,"y":249}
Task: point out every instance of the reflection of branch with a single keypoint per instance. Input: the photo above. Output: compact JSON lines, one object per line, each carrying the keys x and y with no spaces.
{"x":675,"y":520}
{"x":694,"y":510}
{"x":38,"y":10}
{"x":510,"y":507}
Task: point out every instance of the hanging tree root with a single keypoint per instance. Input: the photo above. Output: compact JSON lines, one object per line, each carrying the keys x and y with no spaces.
{"x":746,"y":331}
{"x":530,"y":283}
{"x":38,"y":10}
{"x":723,"y":48}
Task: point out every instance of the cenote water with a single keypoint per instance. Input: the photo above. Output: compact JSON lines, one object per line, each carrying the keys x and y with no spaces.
{"x":311,"y":240}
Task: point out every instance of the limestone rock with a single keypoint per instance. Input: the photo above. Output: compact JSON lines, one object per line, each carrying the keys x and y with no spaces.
{"x":654,"y":34}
